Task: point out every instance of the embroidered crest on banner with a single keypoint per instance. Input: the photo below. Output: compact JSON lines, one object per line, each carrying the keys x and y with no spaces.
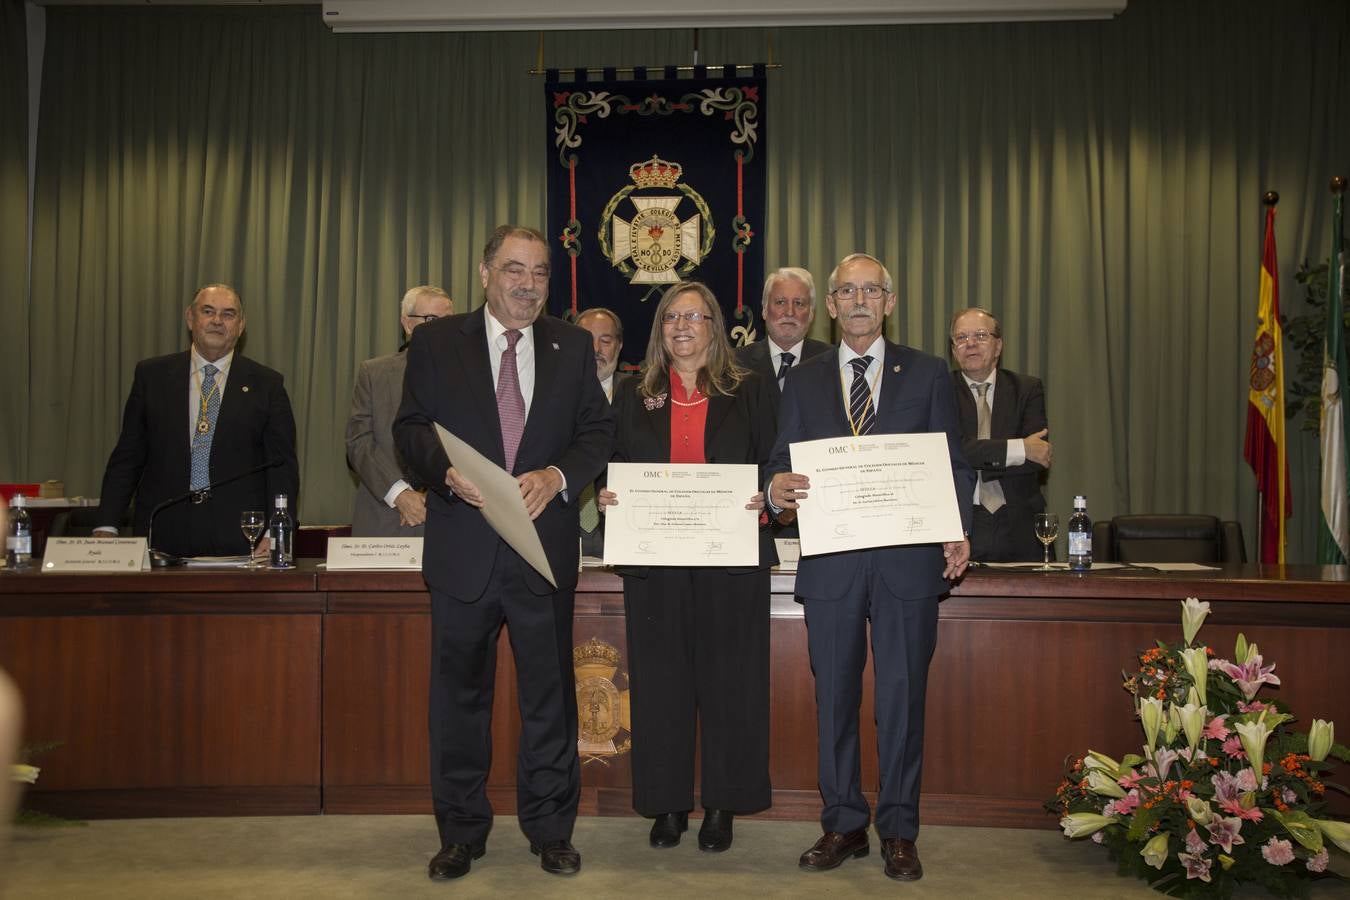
{"x":604,"y":722}
{"x":655,"y":246}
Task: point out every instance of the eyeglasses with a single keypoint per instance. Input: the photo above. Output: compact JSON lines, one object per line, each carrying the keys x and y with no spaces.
{"x":517,"y":272}
{"x":976,"y":337}
{"x":693,"y":317}
{"x":425,"y":317}
{"x":849,"y":291}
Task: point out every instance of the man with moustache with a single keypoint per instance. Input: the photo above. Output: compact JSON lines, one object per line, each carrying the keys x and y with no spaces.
{"x":1004,"y":439}
{"x":869,"y":386}
{"x":607,"y":337}
{"x":387,"y":505}
{"x":198,"y":417}
{"x":788,"y":307}
{"x":520,"y":388}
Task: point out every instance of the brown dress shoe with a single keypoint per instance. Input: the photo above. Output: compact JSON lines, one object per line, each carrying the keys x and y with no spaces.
{"x":833,"y":848}
{"x":902,"y":859}
{"x":453,"y":861}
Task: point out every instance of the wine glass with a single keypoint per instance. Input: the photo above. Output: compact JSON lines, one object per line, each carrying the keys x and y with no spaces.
{"x":252,"y":522}
{"x":1047,"y":529}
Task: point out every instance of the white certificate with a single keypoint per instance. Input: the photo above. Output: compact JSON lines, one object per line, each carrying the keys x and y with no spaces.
{"x":682,"y":514}
{"x":503,"y":505}
{"x":878,"y":490}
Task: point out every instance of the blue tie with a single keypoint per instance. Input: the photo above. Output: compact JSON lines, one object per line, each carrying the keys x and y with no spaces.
{"x":860,"y":413}
{"x":204,"y":430}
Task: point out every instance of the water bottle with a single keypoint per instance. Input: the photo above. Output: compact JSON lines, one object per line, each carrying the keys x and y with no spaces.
{"x":19,"y":537}
{"x":1080,"y":536}
{"x":281,"y":533}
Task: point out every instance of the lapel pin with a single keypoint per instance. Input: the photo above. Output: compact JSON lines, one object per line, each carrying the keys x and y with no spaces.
{"x":896,"y":368}
{"x":244,"y":389}
{"x":555,"y":344}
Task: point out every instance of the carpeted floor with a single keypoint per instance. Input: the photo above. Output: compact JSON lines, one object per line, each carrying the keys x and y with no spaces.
{"x":386,"y":856}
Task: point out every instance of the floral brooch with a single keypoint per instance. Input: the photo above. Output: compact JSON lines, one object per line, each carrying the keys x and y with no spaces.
{"x":654,"y":402}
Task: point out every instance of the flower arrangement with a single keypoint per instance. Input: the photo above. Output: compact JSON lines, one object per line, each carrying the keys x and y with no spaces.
{"x":1224,"y":792}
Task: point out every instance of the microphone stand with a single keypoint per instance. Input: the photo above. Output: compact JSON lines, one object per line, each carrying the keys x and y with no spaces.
{"x":159,"y":559}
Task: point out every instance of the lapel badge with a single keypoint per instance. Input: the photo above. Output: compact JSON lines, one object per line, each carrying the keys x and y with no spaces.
{"x":555,"y":344}
{"x":244,"y":389}
{"x":896,"y":368}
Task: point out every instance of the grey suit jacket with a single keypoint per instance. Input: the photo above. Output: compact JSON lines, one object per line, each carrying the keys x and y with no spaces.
{"x":370,"y":446}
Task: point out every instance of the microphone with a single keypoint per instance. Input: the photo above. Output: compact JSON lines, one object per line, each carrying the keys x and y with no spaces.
{"x":158,"y":558}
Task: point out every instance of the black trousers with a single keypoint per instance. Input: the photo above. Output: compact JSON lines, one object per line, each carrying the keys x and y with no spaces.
{"x":698,"y":664}
{"x":1008,"y":535}
{"x":463,"y":671}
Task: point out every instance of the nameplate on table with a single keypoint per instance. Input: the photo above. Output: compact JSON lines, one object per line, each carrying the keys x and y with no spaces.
{"x":88,"y":554}
{"x":789,"y":554}
{"x":375,"y":553}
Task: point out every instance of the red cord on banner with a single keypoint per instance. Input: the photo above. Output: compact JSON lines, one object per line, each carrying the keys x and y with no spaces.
{"x":572,"y":209}
{"x":740,"y":257}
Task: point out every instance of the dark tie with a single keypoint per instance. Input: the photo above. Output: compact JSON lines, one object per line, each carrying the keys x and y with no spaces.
{"x":787,"y":360}
{"x":860,"y":413}
{"x":510,"y":403}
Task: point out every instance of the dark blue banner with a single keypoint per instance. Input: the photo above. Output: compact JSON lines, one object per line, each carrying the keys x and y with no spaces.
{"x":652,"y":182}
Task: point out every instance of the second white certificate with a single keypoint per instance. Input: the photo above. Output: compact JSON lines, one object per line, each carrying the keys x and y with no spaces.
{"x":878,"y":490}
{"x":682,"y":514}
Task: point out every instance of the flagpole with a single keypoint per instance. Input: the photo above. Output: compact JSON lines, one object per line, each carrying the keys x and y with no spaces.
{"x":1269,"y":200}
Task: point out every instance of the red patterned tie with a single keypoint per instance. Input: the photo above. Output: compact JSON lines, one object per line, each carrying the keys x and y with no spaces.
{"x":510,"y":403}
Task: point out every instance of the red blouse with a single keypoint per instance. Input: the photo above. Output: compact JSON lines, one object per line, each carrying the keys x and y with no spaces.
{"x":688,"y":415}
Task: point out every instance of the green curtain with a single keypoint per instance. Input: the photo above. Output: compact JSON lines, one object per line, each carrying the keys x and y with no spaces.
{"x":1097,"y":184}
{"x":14,"y":414}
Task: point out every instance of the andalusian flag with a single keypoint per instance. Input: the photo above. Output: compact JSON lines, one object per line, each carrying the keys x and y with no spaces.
{"x":1264,"y":448}
{"x":1334,"y":545}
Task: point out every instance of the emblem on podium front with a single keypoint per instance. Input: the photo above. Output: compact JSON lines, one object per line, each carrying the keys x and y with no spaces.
{"x":604,"y":722}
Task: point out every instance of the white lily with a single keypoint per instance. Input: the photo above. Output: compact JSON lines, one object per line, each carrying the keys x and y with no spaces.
{"x":1196,"y":663}
{"x":1155,"y":851}
{"x":1082,"y":824}
{"x":1321,"y":737}
{"x":1193,"y":613}
{"x":1253,"y":736}
{"x":1151,"y":716}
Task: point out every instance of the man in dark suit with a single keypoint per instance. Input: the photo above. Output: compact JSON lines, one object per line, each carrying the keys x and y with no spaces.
{"x":891,"y":389}
{"x":205,"y":415}
{"x":1004,"y":437}
{"x":521,"y":390}
{"x":387,"y":505}
{"x":606,"y":330}
{"x":788,"y":307}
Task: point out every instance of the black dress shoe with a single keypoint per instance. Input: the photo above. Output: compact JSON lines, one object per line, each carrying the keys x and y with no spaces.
{"x":902,"y":859}
{"x":833,"y":848}
{"x":668,"y":827}
{"x":715,"y":834}
{"x":557,"y":857}
{"x":453,"y":861}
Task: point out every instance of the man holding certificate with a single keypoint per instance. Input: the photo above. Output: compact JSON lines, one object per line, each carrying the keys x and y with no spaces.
{"x":698,"y":628}
{"x":870,"y":386}
{"x":519,"y":388}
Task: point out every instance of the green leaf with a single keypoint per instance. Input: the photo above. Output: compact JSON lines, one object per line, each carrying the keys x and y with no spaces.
{"x":1300,"y":827}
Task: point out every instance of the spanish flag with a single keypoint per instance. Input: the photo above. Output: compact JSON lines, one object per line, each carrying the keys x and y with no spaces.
{"x":1264,"y":449}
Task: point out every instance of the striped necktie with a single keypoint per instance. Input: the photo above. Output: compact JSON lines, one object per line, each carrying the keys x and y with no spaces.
{"x":203,"y":436}
{"x":860,"y":413}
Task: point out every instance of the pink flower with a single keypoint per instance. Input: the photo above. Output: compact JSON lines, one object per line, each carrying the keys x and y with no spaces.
{"x":1225,"y":786}
{"x":1216,"y":730}
{"x":1318,"y":863}
{"x":1224,"y":832}
{"x":1251,"y":815}
{"x":1098,"y":837}
{"x":1278,"y":852}
{"x":1194,"y":843}
{"x":1232,"y":747}
{"x":1255,"y":706}
{"x":1246,"y":780}
{"x":1131,"y":781}
{"x":1125,"y":805}
{"x":1287,"y":795}
{"x":1250,"y":675}
{"x":1196,"y":866}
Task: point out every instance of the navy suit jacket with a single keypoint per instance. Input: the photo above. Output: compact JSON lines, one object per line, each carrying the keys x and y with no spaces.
{"x":449,"y":380}
{"x":738,"y":430}
{"x":916,"y":397}
{"x":756,"y":358}
{"x":152,"y":461}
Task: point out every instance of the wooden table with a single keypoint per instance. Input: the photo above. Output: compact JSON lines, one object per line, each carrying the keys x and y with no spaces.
{"x":240,"y":692}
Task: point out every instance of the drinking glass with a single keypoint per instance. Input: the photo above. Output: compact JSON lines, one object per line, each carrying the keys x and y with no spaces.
{"x":252,"y":522}
{"x":1047,"y":529}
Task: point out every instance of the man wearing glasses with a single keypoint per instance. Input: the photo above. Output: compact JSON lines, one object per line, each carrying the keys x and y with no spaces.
{"x":1004,"y":437}
{"x":869,"y":386}
{"x":521,"y":389}
{"x":387,"y":505}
